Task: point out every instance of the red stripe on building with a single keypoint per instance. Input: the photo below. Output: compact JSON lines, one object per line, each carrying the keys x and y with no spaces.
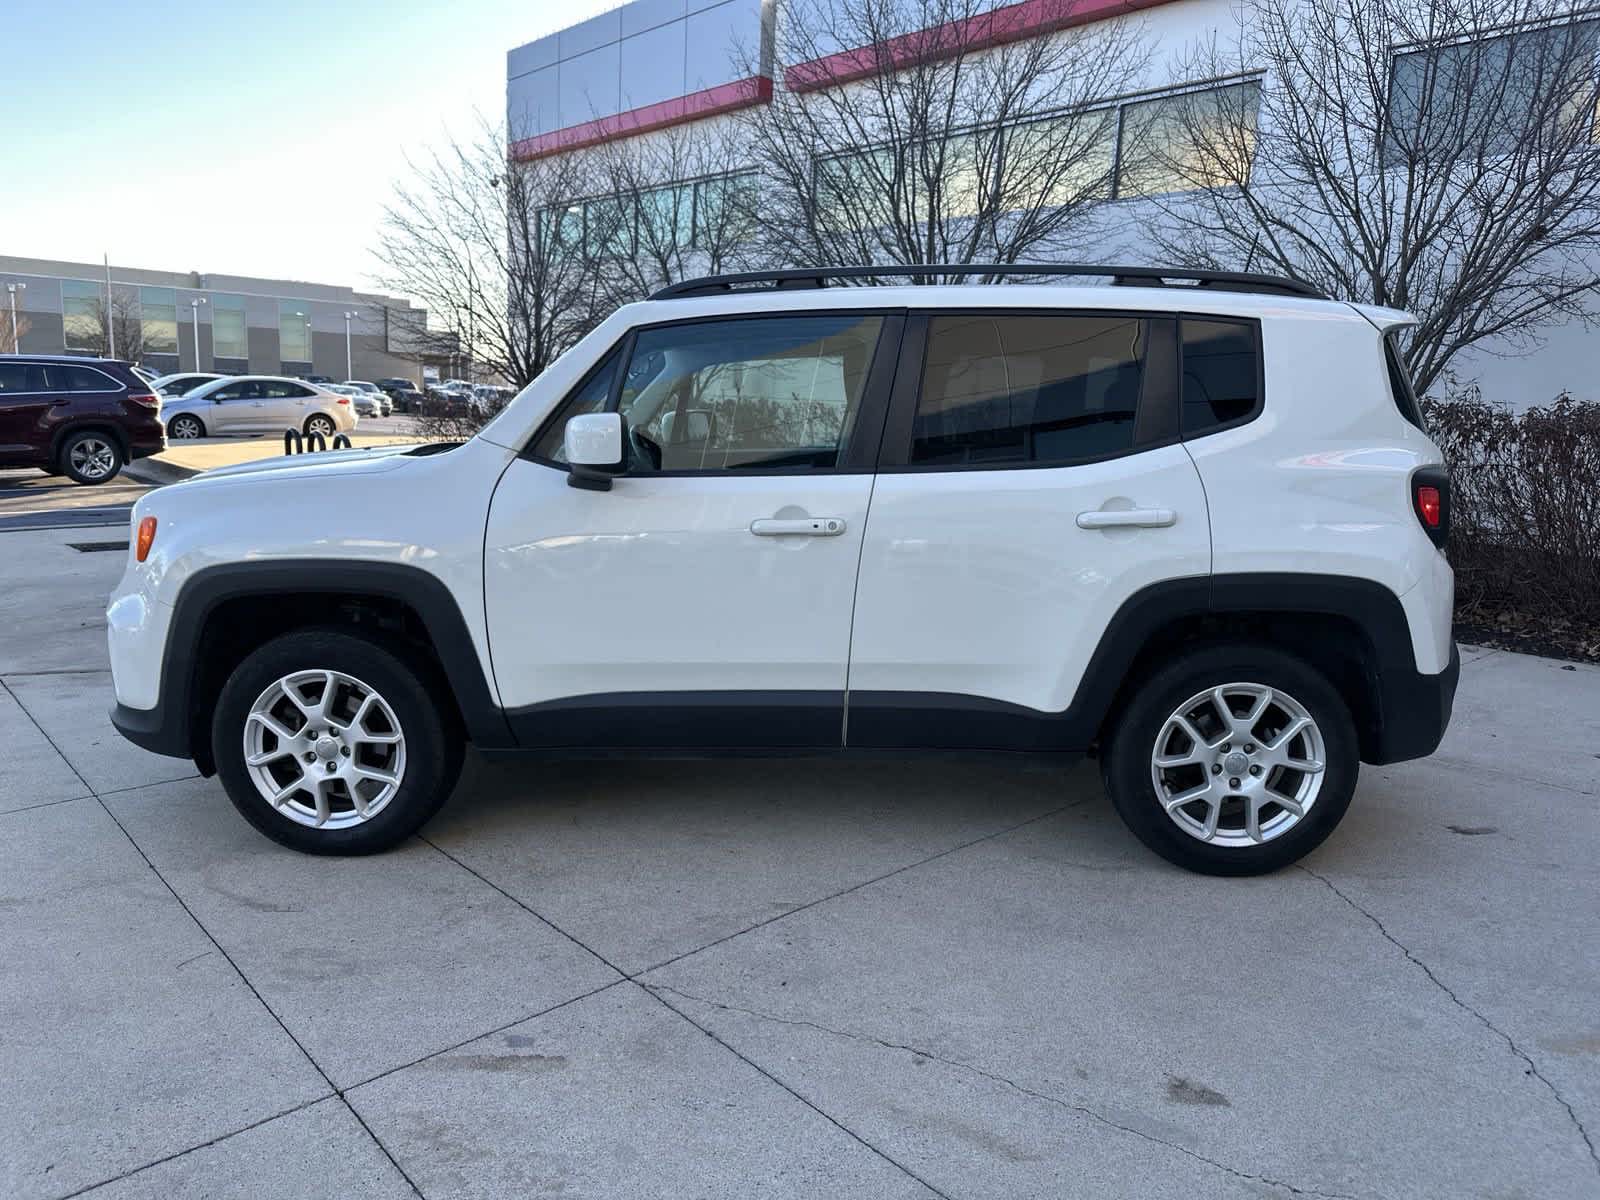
{"x":1009,"y":24}
{"x":726,"y":97}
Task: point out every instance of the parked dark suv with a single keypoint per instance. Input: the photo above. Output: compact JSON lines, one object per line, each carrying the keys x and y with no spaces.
{"x":403,"y":392}
{"x":84,"y":418}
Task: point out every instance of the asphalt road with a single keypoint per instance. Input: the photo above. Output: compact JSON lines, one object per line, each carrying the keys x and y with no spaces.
{"x":33,"y":500}
{"x":777,"y":979}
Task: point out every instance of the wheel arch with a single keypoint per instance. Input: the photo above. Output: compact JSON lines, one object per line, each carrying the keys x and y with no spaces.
{"x":88,"y":425}
{"x":224,"y":611}
{"x":1354,"y":631}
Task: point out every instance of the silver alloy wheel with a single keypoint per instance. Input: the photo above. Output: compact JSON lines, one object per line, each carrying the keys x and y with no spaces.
{"x":1239,"y":764}
{"x":184,"y":427}
{"x":93,"y":457}
{"x":322,"y":425}
{"x":324,"y":749}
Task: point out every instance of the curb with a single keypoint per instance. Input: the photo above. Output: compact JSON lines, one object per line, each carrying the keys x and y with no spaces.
{"x":157,"y":473}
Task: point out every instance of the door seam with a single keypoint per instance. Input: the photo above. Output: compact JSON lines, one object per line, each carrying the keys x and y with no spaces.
{"x":855,"y":597}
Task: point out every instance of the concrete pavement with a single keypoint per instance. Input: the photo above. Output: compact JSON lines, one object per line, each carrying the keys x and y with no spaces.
{"x":786,"y":979}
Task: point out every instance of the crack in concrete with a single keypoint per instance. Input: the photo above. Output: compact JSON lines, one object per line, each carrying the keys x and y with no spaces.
{"x":1532,"y":1067}
{"x":1081,"y":1110}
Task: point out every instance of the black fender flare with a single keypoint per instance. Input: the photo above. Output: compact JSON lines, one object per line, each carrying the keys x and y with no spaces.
{"x":166,"y":728}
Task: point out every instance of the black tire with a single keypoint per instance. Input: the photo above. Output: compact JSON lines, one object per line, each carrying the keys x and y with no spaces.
{"x":105,"y":448}
{"x":433,"y":741}
{"x":186,"y":421}
{"x":1126,"y":763}
{"x":317,"y":423}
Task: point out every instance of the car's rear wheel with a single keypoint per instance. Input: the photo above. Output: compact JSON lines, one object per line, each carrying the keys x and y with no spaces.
{"x":185,"y":427}
{"x":1233,"y":760}
{"x":320,"y":424}
{"x":333,"y":743}
{"x":90,"y":457}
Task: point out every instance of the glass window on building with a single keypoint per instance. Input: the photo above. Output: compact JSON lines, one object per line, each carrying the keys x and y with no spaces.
{"x":666,"y":219}
{"x":1061,"y":160}
{"x":725,"y":210}
{"x":1189,"y":141}
{"x":294,"y":332}
{"x":608,"y":229}
{"x":158,"y":320}
{"x":1489,"y":95}
{"x":229,"y":338}
{"x":83,"y":315}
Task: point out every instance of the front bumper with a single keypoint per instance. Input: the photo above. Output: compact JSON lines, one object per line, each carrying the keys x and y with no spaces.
{"x":152,"y":729}
{"x":1414,"y":711}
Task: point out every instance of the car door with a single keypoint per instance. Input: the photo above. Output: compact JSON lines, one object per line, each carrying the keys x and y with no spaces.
{"x":232,"y":408}
{"x":24,"y":402}
{"x":1032,"y":481}
{"x":284,"y":404}
{"x":703,"y":601}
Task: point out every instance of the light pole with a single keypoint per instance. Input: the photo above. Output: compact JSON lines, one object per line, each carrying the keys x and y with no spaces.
{"x":349,"y":373}
{"x":13,"y":289}
{"x":194,"y":309}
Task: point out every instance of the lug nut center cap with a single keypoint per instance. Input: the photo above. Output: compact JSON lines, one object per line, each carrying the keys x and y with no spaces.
{"x":327,"y":748}
{"x":1236,"y":763}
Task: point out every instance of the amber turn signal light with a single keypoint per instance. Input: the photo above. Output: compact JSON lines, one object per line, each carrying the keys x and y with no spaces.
{"x":147,"y":535}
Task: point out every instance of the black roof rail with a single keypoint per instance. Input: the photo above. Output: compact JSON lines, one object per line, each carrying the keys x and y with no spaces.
{"x":817,"y":277}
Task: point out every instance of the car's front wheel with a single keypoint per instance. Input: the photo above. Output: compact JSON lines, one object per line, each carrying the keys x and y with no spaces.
{"x":90,"y":457}
{"x":333,"y":743}
{"x":1233,"y":760}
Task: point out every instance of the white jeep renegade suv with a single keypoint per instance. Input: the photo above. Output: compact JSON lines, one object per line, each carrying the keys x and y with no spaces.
{"x":1193,"y":529}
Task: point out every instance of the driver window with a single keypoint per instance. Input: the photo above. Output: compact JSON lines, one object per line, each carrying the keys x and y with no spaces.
{"x":234,"y":391}
{"x":763,"y":393}
{"x":1007,"y":389}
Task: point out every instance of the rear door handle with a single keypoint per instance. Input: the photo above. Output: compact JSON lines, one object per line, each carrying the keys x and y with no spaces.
{"x":805,"y":526}
{"x":1114,"y":518}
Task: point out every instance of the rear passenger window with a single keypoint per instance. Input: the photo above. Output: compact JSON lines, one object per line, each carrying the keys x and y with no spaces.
{"x":1221,"y":373}
{"x":21,"y":377}
{"x":1007,"y":389}
{"x":81,"y":379}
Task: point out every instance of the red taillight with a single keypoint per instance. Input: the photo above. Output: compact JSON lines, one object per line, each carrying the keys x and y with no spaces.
{"x":344,"y":400}
{"x":147,"y":535}
{"x":146,"y":399}
{"x":1430,"y":500}
{"x":1430,"y":506}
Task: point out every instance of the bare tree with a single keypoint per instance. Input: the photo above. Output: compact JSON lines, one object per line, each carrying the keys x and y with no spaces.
{"x":1434,"y":155}
{"x":676,"y":204}
{"x":482,"y":244}
{"x":943,"y":138}
{"x":92,"y":331}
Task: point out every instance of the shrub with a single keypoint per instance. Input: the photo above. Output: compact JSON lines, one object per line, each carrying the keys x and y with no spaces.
{"x":1525,"y":525}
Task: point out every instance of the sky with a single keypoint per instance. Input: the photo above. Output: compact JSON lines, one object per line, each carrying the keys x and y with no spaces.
{"x":240,"y":136}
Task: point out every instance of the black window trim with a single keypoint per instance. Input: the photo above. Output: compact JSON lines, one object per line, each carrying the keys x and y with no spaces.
{"x":859,"y":454}
{"x":1261,"y":374}
{"x":1150,"y":432}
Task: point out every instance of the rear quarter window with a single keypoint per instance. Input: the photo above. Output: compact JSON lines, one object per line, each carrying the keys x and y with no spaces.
{"x":1221,"y":373}
{"x":1405,"y":396}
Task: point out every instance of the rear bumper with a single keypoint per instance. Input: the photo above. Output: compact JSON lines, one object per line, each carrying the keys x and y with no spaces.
{"x":1414,"y":711}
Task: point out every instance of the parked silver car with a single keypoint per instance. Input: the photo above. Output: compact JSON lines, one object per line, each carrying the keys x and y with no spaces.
{"x":257,"y":404}
{"x":385,"y":405}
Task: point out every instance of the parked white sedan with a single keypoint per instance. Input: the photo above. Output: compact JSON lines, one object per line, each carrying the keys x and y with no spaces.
{"x":257,"y":404}
{"x":365,"y":404}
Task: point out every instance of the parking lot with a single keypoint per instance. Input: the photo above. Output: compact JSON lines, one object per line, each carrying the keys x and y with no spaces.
{"x":790,"y":978}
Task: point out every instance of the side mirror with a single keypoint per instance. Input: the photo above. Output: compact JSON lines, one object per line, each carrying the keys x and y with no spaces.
{"x":593,"y":446}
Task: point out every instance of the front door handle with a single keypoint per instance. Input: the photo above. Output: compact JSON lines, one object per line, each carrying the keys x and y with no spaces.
{"x":805,"y":526}
{"x":1116,"y":518}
